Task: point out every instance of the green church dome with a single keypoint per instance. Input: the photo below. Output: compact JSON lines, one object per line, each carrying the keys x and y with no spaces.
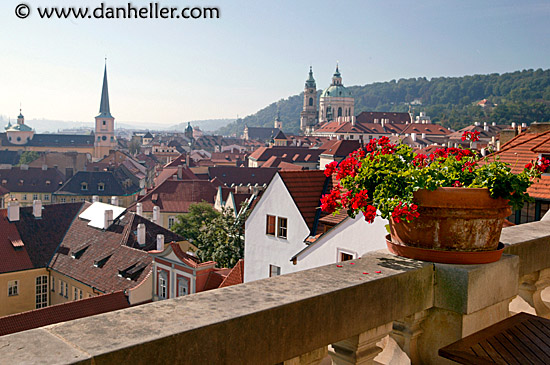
{"x":337,"y":91}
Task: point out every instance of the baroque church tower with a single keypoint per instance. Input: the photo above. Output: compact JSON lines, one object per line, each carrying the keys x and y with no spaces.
{"x":105,"y":140}
{"x":309,"y":116}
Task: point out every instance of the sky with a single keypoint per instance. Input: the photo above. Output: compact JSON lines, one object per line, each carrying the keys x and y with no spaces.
{"x":167,"y":71}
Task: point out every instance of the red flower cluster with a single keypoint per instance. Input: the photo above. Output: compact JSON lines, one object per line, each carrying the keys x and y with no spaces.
{"x":541,"y":164}
{"x":329,"y":202}
{"x":420,"y":160}
{"x":359,"y":200}
{"x":457,"y":184}
{"x":348,"y":167}
{"x":369,"y":213}
{"x":470,"y":136}
{"x":403,"y":211}
{"x":380,"y":146}
{"x":330,"y":168}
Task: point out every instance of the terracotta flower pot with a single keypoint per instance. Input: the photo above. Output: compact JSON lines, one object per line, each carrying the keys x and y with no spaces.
{"x":453,"y":219}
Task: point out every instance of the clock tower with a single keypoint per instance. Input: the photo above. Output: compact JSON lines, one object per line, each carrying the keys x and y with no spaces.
{"x":105,"y":140}
{"x":309,"y":116}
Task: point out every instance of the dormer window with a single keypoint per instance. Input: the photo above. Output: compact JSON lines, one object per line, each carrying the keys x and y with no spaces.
{"x":101,"y":187}
{"x":84,"y":186}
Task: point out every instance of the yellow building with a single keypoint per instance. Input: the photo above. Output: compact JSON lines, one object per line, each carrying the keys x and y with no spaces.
{"x":23,"y":290}
{"x":27,"y":184}
{"x":21,"y":137}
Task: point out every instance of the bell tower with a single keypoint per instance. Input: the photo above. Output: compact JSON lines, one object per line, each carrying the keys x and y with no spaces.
{"x":105,"y":140}
{"x":308,"y":116}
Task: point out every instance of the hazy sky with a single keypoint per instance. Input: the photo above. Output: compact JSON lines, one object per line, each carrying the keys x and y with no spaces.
{"x":171,"y":70}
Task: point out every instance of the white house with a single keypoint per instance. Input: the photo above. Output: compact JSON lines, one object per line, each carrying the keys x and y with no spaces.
{"x":287,"y":232}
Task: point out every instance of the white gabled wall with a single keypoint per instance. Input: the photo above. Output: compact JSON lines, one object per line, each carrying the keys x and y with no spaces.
{"x":354,"y":236}
{"x":260,"y":249}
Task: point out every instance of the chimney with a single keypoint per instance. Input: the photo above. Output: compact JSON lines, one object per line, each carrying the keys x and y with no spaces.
{"x":13,"y":211}
{"x":114,"y":200}
{"x":423,"y":135}
{"x":95,"y":199}
{"x":180,"y":172}
{"x":69,"y":172}
{"x":539,"y":127}
{"x":141,"y":234}
{"x":160,"y":242}
{"x":139,"y":209}
{"x":156,"y":214}
{"x":24,"y":167}
{"x":37,"y":209}
{"x":187,"y":159}
{"x":413,"y":137}
{"x":494,"y":124}
{"x":44,"y":167}
{"x":486,"y":127}
{"x":107,"y":218}
{"x":513,"y":124}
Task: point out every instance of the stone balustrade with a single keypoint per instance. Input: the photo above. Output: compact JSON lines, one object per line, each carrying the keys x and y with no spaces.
{"x":292,"y":319}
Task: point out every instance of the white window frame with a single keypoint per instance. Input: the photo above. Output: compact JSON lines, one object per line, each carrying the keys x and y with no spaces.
{"x":13,"y":288}
{"x":171,"y":221}
{"x":183,"y":283}
{"x":274,"y":270}
{"x":163,"y":285}
{"x":41,"y":291}
{"x":341,"y":251}
{"x":285,"y":235}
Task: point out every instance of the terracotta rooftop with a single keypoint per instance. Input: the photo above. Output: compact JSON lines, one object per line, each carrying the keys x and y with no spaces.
{"x":13,"y":258}
{"x":178,"y":195}
{"x":523,"y":149}
{"x":100,"y":258}
{"x":235,"y":276}
{"x":241,"y":175}
{"x":306,"y":188}
{"x":286,"y":153}
{"x":341,"y":148}
{"x":63,"y":312}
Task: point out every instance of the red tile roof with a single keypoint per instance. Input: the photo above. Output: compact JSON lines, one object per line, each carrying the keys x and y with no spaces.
{"x":12,"y":258}
{"x":63,"y":312}
{"x":177,"y":195}
{"x":169,"y":172}
{"x":306,"y":188}
{"x":286,"y":153}
{"x":94,"y":245}
{"x":215,"y":278}
{"x":342,"y":148}
{"x":235,"y":276}
{"x":522,"y":149}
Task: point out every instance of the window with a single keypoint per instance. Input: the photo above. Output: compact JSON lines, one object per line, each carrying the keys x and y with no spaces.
{"x":162,"y":285}
{"x":24,"y":197}
{"x":41,"y":291}
{"x":282,"y":227}
{"x":274,"y":270}
{"x":73,"y":200}
{"x":63,"y":289}
{"x":310,"y":101}
{"x":345,"y":255}
{"x":53,"y":284}
{"x":339,"y":112}
{"x":84,"y":186}
{"x":171,"y":221}
{"x":100,"y":186}
{"x":270,"y":225}
{"x":104,"y":122}
{"x":34,"y":196}
{"x":77,"y":293}
{"x":182,"y":287}
{"x":62,"y":200}
{"x":13,"y":288}
{"x":46,"y":197}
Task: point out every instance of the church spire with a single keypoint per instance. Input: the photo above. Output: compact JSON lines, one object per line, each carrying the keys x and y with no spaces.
{"x":104,"y":110}
{"x":310,"y":82}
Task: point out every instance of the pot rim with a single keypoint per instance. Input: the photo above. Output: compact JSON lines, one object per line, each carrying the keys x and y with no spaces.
{"x":452,"y":197}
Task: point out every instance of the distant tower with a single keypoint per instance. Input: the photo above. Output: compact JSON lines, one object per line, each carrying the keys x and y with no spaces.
{"x":104,"y":124}
{"x":189,"y":131}
{"x":336,"y":102}
{"x":308,"y":116}
{"x":278,"y":123}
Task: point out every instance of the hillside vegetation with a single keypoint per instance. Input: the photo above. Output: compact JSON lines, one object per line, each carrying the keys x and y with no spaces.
{"x":521,"y":96}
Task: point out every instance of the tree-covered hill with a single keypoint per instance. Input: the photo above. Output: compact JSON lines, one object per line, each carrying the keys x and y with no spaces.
{"x":521,"y":96}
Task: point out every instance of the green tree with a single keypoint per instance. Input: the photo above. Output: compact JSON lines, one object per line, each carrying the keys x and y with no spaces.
{"x":189,"y":225}
{"x":27,"y":157}
{"x":134,"y":146}
{"x":222,"y":240}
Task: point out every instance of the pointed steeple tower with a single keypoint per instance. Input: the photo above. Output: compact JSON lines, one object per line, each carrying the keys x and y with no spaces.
{"x":105,"y":140}
{"x":337,"y":78}
{"x":104,"y":109}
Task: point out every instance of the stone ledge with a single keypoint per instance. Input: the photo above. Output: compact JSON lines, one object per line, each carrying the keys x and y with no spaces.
{"x":531,"y":242}
{"x":470,"y":288}
{"x":262,"y":322}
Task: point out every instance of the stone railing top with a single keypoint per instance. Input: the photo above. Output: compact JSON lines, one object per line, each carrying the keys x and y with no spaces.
{"x":531,"y":242}
{"x":265,"y":321}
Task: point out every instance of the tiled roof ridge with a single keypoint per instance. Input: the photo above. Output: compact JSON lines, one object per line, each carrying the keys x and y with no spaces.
{"x":508,"y":145}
